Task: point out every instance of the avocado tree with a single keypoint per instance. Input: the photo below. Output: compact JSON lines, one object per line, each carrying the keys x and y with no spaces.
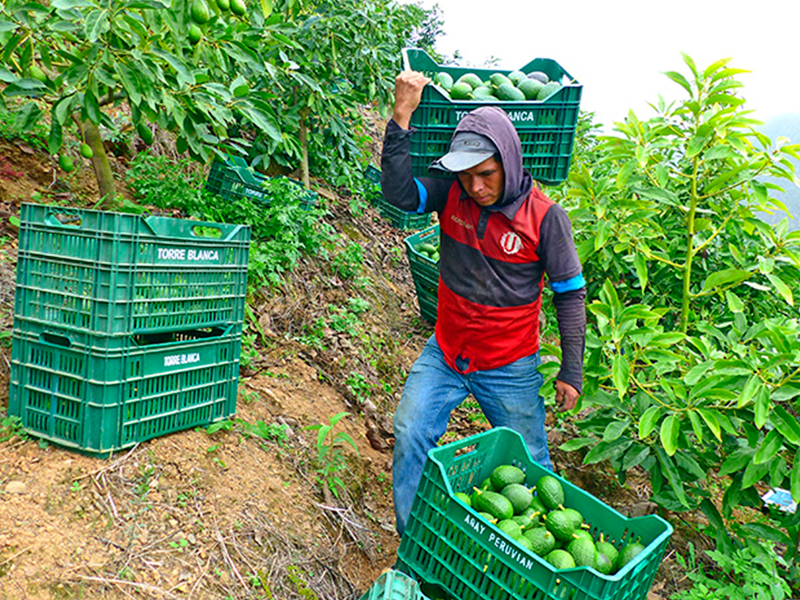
{"x":183,"y":65}
{"x":332,"y":58}
{"x":693,"y":342}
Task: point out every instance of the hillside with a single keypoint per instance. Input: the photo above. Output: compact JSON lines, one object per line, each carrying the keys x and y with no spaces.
{"x":240,"y":512}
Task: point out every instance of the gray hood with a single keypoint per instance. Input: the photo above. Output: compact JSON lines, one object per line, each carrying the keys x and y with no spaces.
{"x":493,"y":122}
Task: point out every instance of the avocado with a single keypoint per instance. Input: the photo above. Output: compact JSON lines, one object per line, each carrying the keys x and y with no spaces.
{"x":199,"y":12}
{"x":510,"y":528}
{"x":560,"y":559}
{"x":145,"y":133}
{"x":443,"y":79}
{"x":224,"y":4}
{"x":36,"y":73}
{"x":548,"y":90}
{"x":86,"y":151}
{"x":583,"y":551}
{"x":628,"y":553}
{"x":560,"y":525}
{"x":463,"y":497}
{"x":519,"y":496}
{"x":499,"y":79}
{"x":524,"y":542}
{"x":542,"y":540}
{"x":608,"y":550}
{"x":461,"y":90}
{"x":538,"y":76}
{"x":470,"y":79}
{"x":530,"y":87}
{"x":516,"y":77}
{"x":507,"y":91}
{"x":504,"y":475}
{"x":195,"y":34}
{"x":65,"y":162}
{"x":575,"y":516}
{"x":550,"y":492}
{"x":493,"y":503}
{"x":238,"y":7}
{"x":483,"y":92}
{"x":603,"y":564}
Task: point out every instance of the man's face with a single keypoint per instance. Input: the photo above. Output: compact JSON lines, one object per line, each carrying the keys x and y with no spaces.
{"x":484,"y":182}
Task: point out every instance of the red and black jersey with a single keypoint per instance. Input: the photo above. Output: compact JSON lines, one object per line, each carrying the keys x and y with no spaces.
{"x":493,"y":260}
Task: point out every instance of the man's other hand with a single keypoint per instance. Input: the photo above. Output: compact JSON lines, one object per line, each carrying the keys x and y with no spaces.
{"x":566,"y":396}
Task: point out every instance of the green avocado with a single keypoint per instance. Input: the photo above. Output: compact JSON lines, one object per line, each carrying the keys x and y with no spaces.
{"x":507,"y":91}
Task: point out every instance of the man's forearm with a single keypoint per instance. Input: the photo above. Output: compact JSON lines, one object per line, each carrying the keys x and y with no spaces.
{"x":571,"y":315}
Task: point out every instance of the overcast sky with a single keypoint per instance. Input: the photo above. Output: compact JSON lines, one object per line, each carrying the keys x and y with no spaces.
{"x":619,"y":49}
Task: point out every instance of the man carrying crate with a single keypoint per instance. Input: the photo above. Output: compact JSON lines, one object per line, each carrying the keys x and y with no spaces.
{"x":500,"y":235}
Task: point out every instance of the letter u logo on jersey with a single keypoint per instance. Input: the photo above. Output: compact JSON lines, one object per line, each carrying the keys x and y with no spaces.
{"x":510,"y":242}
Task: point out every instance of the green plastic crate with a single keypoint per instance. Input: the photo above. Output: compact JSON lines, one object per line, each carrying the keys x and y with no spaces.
{"x":546,"y":127}
{"x":114,"y":274}
{"x":394,"y":585}
{"x":99,"y":401}
{"x":234,"y":182}
{"x":216,"y":172}
{"x":372,"y":173}
{"x":399,"y":218}
{"x":402,"y":219}
{"x":424,"y":271}
{"x":446,"y":543}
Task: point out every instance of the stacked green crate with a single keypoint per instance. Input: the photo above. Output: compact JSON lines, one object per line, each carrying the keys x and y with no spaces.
{"x":125,"y":326}
{"x":546,"y":127}
{"x":401,"y":219}
{"x":233,"y":179}
{"x":424,"y":271}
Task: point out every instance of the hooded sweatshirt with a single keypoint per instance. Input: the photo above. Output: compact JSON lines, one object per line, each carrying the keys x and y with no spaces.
{"x":493,"y":260}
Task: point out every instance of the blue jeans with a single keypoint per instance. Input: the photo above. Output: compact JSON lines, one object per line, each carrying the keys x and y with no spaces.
{"x":509,"y":396}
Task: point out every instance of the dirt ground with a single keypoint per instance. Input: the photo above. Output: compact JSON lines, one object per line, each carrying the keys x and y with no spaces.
{"x":233,"y":514}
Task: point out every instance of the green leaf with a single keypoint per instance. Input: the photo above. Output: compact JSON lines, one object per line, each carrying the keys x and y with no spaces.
{"x":615,"y":429}
{"x":710,"y":418}
{"x":781,"y":288}
{"x":726,"y":276}
{"x":621,"y":371}
{"x":96,"y":24}
{"x":794,"y":481}
{"x":762,"y":407}
{"x":749,"y":391}
{"x":648,"y":421}
{"x":765,"y":532}
{"x":786,"y":424}
{"x":697,"y":425}
{"x":770,"y":446}
{"x":635,"y":455}
{"x":754,"y":473}
{"x":670,"y":429}
{"x":606,"y":450}
{"x":54,"y":137}
{"x":92,"y":107}
{"x":576,"y":444}
{"x":673,"y":477}
{"x":680,"y":80}
{"x":641,"y":270}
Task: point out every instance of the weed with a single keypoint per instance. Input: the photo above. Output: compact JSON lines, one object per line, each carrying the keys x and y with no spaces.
{"x":343,"y":320}
{"x":180,"y":545}
{"x":358,"y":386}
{"x":330,"y":457}
{"x":14,"y":127}
{"x":347,"y":263}
{"x":298,"y":577}
{"x":10,"y":427}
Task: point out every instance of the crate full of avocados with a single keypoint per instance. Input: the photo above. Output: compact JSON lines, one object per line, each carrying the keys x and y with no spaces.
{"x":541,"y":99}
{"x":489,"y":523}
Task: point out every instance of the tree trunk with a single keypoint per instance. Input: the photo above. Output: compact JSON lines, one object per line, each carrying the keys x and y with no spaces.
{"x":303,"y":134}
{"x":102,"y":168}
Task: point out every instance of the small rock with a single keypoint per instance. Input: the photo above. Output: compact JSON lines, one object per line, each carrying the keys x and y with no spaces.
{"x":16,"y":487}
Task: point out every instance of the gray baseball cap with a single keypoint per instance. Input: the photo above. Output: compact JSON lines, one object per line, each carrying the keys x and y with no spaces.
{"x":467,"y":149}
